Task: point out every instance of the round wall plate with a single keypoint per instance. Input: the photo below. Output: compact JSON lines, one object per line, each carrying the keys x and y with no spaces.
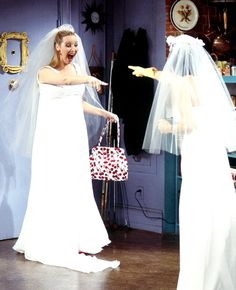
{"x":184,"y":14}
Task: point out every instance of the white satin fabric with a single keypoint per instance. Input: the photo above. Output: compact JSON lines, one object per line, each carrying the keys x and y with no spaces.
{"x":62,"y":217}
{"x":207,"y":212}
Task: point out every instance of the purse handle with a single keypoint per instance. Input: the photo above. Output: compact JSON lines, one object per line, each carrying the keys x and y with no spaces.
{"x":104,"y":130}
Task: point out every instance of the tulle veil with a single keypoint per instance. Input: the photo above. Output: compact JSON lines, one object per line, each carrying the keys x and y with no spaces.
{"x":18,"y":110}
{"x":189,"y":79}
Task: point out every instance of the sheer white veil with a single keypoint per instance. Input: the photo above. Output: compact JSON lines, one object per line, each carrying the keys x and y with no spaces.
{"x":18,"y":110}
{"x":189,"y":80}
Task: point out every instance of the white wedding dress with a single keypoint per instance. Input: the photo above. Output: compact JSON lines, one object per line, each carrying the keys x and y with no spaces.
{"x":207,"y":213}
{"x":62,"y":217}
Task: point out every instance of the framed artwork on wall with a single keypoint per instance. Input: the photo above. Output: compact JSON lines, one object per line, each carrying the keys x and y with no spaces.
{"x":184,"y":15}
{"x":23,"y":51}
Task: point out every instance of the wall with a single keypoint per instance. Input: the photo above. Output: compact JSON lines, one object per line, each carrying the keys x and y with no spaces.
{"x":89,"y":39}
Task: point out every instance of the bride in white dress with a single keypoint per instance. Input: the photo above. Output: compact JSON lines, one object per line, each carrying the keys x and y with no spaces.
{"x":62,"y":224}
{"x":193,"y":115}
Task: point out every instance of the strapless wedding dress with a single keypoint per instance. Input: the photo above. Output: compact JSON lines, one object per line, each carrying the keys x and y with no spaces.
{"x":207,"y":213}
{"x":62,"y":218}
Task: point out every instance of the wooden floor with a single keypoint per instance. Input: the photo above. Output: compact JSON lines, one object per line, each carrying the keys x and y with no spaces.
{"x":148,"y":261}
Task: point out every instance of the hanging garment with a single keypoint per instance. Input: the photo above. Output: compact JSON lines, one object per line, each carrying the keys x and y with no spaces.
{"x":132,"y":97}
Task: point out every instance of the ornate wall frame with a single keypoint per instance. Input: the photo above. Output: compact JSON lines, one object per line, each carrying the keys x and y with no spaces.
{"x":3,"y":51}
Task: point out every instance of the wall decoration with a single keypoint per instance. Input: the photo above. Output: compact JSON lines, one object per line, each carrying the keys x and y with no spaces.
{"x":13,"y":84}
{"x":94,"y":17}
{"x":17,"y":36}
{"x":184,"y":14}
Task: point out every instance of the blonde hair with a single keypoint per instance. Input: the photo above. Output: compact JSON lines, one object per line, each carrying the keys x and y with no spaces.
{"x":58,"y":40}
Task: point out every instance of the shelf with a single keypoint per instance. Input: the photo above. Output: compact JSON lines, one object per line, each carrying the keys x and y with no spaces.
{"x":230,"y":79}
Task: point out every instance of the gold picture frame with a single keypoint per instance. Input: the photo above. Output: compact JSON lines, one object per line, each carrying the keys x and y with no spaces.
{"x":23,"y":38}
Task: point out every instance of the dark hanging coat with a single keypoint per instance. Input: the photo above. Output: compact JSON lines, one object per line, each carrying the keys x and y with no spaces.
{"x":132,"y":96}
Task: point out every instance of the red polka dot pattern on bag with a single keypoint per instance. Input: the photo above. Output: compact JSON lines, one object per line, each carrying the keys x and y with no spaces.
{"x":108,"y":163}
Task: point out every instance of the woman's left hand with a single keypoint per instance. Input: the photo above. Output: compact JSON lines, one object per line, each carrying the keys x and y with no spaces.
{"x":111,"y":116}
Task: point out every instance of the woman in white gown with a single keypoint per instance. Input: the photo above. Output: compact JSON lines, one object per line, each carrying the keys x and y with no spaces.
{"x":193,"y":115}
{"x":62,"y":224}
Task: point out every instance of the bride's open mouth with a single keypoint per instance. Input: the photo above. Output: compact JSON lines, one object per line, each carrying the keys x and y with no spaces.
{"x":70,"y":56}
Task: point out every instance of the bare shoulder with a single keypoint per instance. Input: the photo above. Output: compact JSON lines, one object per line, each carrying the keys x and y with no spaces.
{"x":46,"y":70}
{"x":46,"y":73}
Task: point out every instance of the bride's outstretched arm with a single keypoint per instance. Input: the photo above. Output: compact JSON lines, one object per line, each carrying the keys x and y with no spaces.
{"x":49,"y":76}
{"x":150,"y":72}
